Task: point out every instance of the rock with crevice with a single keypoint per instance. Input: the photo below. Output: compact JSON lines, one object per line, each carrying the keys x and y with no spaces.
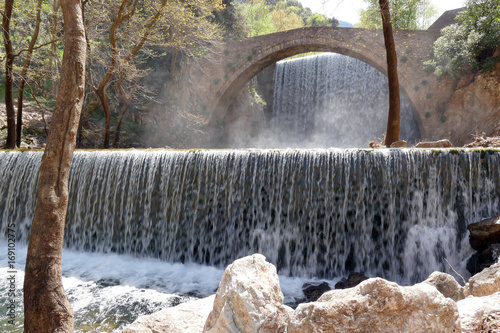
{"x":446,"y":285}
{"x":377,"y":305}
{"x":249,"y":299}
{"x":485,"y":283}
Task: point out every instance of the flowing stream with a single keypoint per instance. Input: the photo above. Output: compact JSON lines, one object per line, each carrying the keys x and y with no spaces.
{"x":164,"y":224}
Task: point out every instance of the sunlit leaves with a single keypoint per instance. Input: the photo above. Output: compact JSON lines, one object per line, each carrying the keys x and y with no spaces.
{"x":405,"y":14}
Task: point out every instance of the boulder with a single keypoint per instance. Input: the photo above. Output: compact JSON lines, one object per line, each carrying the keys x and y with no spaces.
{"x":249,"y":299}
{"x":187,"y":317}
{"x":314,"y":290}
{"x":484,"y":233}
{"x":485,"y":283}
{"x":434,"y":144}
{"x":480,"y":314}
{"x":377,"y":305}
{"x":446,"y":285}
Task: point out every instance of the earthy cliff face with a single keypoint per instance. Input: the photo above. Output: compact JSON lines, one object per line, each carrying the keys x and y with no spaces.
{"x":474,"y":107}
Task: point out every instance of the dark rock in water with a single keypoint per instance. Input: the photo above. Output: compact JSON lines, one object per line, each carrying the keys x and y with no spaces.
{"x":313,"y":290}
{"x":484,"y":259}
{"x":108,"y":282}
{"x":353,"y":280}
{"x":484,"y":233}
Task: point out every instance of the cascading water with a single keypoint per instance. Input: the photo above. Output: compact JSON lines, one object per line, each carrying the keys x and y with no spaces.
{"x":318,"y":213}
{"x":332,"y":100}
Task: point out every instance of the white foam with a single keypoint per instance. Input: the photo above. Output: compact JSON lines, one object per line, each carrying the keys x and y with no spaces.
{"x":112,"y":288}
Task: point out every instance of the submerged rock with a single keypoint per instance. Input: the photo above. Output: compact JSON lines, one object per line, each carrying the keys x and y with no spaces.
{"x":249,"y":299}
{"x":352,"y":281}
{"x":377,"y":305}
{"x":481,"y":260}
{"x":314,"y":290}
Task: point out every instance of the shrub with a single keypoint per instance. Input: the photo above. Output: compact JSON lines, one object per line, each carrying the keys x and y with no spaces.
{"x":471,"y":44}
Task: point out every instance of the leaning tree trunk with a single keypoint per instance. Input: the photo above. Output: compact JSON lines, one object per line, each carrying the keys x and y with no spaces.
{"x":393,"y":120}
{"x":46,"y":306}
{"x":9,"y":79}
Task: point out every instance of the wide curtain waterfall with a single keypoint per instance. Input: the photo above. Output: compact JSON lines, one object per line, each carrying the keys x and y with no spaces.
{"x":393,"y":213}
{"x":331,"y":100}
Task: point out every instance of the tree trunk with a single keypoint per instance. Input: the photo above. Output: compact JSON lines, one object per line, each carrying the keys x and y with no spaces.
{"x":101,"y":93}
{"x":10,"y":143}
{"x":46,"y":306}
{"x":123,"y":109}
{"x":393,"y":121}
{"x":24,"y":72}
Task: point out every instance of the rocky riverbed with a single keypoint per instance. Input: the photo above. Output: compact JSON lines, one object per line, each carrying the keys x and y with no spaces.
{"x":249,"y":299}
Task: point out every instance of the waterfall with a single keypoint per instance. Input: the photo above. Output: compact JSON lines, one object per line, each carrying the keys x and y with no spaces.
{"x":332,"y":100}
{"x":326,"y":212}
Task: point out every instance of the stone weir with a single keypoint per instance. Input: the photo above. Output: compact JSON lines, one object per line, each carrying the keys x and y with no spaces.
{"x":395,"y":213}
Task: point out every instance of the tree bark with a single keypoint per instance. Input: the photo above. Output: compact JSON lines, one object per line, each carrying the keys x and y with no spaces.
{"x":24,"y":72}
{"x":393,"y":120}
{"x":10,"y":143}
{"x":127,"y":100}
{"x":46,"y":306}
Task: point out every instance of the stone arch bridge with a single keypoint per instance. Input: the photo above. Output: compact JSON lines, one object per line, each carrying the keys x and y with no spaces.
{"x":233,"y":64}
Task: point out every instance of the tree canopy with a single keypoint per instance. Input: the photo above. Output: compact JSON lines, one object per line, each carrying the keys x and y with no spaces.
{"x":260,"y":17}
{"x":405,"y":14}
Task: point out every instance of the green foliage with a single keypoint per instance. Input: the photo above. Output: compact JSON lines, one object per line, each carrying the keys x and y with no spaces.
{"x":471,"y":44}
{"x":259,"y":17}
{"x":317,"y":20}
{"x":405,"y":14}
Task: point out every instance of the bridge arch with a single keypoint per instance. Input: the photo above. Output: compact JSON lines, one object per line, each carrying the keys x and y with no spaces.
{"x":246,"y":58}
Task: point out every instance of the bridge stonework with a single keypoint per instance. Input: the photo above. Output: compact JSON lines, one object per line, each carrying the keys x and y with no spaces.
{"x":240,"y":60}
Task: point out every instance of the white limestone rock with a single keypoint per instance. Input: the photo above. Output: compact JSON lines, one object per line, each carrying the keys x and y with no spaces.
{"x":485,"y":282}
{"x":187,"y":317}
{"x":249,"y":299}
{"x":480,"y":314}
{"x":377,"y":305}
{"x":446,"y":285}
